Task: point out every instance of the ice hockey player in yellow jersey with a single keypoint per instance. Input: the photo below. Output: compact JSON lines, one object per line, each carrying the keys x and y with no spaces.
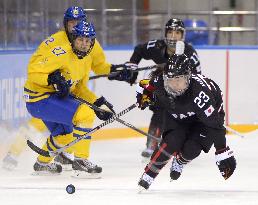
{"x":53,"y":75}
{"x":99,"y":65}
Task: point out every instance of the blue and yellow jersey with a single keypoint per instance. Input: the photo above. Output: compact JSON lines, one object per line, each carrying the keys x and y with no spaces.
{"x":43,"y":62}
{"x":99,"y":64}
{"x":56,"y":53}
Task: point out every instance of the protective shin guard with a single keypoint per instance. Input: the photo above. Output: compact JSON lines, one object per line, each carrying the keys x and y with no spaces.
{"x":82,"y":148}
{"x":54,"y":143}
{"x":83,"y":120}
{"x":158,"y":160}
{"x":84,"y":116}
{"x":43,"y":158}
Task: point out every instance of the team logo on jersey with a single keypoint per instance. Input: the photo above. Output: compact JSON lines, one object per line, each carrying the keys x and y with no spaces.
{"x":209,"y":111}
{"x":76,"y":12}
{"x":182,"y":116}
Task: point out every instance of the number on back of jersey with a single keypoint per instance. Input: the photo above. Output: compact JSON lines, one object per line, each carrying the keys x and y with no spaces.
{"x":151,"y":44}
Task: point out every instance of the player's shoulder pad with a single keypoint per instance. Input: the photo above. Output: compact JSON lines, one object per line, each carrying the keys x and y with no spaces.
{"x":97,"y":47}
{"x":59,"y":34}
{"x":155,"y":43}
{"x":201,"y":82}
{"x":189,"y":49}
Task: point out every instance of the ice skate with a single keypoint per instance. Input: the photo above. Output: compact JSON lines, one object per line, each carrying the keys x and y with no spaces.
{"x":41,"y":168}
{"x":83,"y":168}
{"x":9,"y":162}
{"x":66,"y":160}
{"x":147,"y":152}
{"x":145,"y":182}
{"x":176,"y":169}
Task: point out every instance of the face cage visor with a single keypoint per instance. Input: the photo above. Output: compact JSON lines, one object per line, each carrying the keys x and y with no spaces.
{"x":176,"y":85}
{"x":81,"y":54}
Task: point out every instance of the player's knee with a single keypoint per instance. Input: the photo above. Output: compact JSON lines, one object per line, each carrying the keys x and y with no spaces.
{"x":61,"y":140}
{"x":191,"y":149}
{"x":84,"y":116}
{"x":60,"y":129}
{"x":37,"y":124}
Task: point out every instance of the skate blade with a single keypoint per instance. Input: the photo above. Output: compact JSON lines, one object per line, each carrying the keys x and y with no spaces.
{"x":66,"y":167}
{"x":44,"y":173}
{"x":141,"y":190}
{"x":85,"y":175}
{"x":8,"y":167}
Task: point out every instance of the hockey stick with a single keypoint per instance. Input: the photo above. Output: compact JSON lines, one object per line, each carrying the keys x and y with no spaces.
{"x":114,"y":73}
{"x":233,"y":131}
{"x":94,"y":107}
{"x":54,"y":153}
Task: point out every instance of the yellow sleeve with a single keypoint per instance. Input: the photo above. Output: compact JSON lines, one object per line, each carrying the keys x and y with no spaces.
{"x":47,"y":58}
{"x":99,"y":64}
{"x":42,"y":63}
{"x":84,"y":92}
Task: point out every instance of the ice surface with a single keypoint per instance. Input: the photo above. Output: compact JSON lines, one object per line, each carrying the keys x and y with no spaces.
{"x":200,"y":183}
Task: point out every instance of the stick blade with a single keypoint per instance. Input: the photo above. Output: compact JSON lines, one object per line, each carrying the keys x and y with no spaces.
{"x":37,"y":149}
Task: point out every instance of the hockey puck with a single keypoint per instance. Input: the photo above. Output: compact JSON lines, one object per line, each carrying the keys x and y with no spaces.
{"x":70,"y":189}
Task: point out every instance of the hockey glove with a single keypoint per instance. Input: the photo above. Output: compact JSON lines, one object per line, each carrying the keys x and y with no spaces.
{"x":123,"y":72}
{"x":144,"y":94}
{"x":226,"y":162}
{"x":132,"y":66}
{"x":59,"y":83}
{"x":107,"y":109}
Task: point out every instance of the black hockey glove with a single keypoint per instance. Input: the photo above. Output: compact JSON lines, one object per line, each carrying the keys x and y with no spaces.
{"x":226,"y":162}
{"x":124,"y":72}
{"x":60,"y":84}
{"x":144,"y":94}
{"x":107,"y":109}
{"x":132,"y":66}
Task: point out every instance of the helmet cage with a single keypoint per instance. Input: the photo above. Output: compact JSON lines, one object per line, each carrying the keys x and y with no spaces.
{"x":168,"y":85}
{"x":83,"y":29}
{"x":177,"y":75}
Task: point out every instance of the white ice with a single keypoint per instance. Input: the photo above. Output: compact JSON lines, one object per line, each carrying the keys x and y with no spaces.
{"x":200,"y":183}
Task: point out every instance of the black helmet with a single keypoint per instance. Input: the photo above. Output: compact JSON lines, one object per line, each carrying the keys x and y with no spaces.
{"x":176,"y":25}
{"x":177,"y":66}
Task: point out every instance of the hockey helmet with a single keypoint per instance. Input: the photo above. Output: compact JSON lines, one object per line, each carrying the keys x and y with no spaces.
{"x":83,"y":29}
{"x":177,"y":74}
{"x":73,"y":13}
{"x":174,"y":24}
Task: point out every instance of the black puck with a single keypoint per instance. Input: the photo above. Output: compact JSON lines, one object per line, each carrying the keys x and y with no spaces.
{"x":70,"y":189}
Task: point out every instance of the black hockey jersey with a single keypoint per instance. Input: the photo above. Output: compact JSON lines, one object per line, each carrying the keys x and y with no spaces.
{"x":156,"y":50}
{"x":201,"y":102}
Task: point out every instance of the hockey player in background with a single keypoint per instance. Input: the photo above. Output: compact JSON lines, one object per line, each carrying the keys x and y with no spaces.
{"x":194,"y":119}
{"x":159,"y":51}
{"x":99,"y":65}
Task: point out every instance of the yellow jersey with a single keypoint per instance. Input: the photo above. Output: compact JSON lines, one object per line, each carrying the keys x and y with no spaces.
{"x":56,"y":53}
{"x":99,"y":65}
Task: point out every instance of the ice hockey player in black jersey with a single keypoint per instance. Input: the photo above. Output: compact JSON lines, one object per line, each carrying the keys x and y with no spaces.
{"x":194,"y":119}
{"x":159,"y":51}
